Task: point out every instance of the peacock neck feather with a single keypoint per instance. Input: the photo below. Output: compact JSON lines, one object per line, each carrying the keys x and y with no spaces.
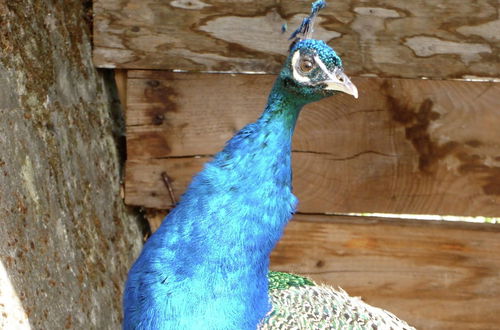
{"x":215,"y":244}
{"x":282,"y":108}
{"x":241,"y":201}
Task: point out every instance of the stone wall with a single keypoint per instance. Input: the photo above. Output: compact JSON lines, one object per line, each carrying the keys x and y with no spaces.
{"x":66,"y":238}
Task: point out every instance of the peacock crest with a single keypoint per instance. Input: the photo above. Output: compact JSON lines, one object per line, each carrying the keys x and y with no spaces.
{"x":306,"y":28}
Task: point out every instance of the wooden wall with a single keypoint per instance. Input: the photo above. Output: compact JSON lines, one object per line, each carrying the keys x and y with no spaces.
{"x":435,"y":275}
{"x":407,"y":145}
{"x":386,"y":38}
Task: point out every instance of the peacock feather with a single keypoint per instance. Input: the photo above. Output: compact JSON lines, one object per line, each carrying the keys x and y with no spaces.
{"x":207,"y":266}
{"x":299,"y":303}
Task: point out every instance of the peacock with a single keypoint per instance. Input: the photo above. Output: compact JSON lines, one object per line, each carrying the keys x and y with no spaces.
{"x":207,"y":266}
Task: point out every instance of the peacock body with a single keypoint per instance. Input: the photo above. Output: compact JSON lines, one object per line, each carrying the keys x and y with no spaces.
{"x":207,"y":265}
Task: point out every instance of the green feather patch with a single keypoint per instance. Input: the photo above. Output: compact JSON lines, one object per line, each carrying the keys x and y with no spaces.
{"x":283,"y":281}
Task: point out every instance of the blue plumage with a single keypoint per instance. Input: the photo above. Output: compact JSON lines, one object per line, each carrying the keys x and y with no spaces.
{"x":206,"y":266}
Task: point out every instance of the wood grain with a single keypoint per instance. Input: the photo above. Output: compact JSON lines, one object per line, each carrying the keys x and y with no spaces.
{"x":434,"y":275}
{"x":386,"y":38}
{"x":405,"y":146}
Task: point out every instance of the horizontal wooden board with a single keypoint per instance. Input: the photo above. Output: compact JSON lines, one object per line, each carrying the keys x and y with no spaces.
{"x":434,"y":275}
{"x":386,"y":38}
{"x":405,"y":146}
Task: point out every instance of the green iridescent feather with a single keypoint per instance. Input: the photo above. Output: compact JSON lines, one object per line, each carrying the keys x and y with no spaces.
{"x":282,"y":281}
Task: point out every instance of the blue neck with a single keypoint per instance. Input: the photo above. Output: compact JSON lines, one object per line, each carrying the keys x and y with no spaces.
{"x":214,"y":246}
{"x":282,"y":108}
{"x":242,"y":200}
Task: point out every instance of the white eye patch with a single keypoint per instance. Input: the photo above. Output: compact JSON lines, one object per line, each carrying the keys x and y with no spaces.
{"x":323,"y":68}
{"x":320,"y":76}
{"x":297,"y":75}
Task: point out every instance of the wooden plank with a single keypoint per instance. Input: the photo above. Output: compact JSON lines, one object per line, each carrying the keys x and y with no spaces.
{"x":387,"y":38}
{"x":434,"y":275}
{"x":406,"y":146}
{"x":198,"y":109}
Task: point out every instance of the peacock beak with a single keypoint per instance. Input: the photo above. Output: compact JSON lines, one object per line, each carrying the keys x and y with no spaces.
{"x":340,"y":82}
{"x":336,"y":80}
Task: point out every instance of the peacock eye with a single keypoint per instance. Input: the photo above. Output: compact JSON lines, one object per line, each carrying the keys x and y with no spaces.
{"x":306,"y":65}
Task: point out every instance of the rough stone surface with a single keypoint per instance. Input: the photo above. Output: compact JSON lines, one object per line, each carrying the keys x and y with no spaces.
{"x":66,"y":238}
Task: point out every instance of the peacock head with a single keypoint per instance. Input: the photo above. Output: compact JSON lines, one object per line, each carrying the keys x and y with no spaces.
{"x":313,"y":70}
